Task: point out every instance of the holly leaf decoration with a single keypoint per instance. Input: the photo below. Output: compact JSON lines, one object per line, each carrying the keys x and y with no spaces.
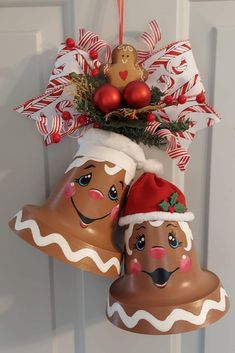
{"x":173,"y":198}
{"x":164,"y":205}
{"x":180,"y":208}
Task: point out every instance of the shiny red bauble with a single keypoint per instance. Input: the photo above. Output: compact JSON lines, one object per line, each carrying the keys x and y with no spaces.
{"x":93,"y":54}
{"x":56,"y":138}
{"x":137,"y":94}
{"x":168,"y":100}
{"x":82,"y":119}
{"x":66,"y":115}
{"x":70,"y":43}
{"x":95,"y":72}
{"x":200,"y":98}
{"x":150,"y":117}
{"x":107,"y":98}
{"x":182,"y":99}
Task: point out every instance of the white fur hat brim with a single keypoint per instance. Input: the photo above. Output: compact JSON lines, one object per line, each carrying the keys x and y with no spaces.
{"x":156,"y":216}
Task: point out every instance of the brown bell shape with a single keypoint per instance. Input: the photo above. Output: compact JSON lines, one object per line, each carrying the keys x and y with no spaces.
{"x":77,"y":222}
{"x":164,"y":290}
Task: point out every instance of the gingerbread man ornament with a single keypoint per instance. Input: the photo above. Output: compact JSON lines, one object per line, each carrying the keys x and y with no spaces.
{"x":124,"y":67}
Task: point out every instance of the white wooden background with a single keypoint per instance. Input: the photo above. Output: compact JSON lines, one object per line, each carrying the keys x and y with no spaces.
{"x":46,"y":306}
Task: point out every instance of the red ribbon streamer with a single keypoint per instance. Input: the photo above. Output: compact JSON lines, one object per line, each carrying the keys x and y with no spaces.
{"x":120,"y":4}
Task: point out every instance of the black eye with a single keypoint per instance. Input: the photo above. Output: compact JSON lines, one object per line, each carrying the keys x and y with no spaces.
{"x":127,"y":56}
{"x":84,"y":179}
{"x":123,"y":55}
{"x":140,"y":242}
{"x":173,"y":241}
{"x":112,"y":194}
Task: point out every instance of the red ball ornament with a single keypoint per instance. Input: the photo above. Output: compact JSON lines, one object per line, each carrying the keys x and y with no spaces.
{"x":70,"y":43}
{"x":107,"y":98}
{"x":93,"y":54}
{"x":137,"y":94}
{"x":96,"y":125}
{"x":66,"y":116}
{"x":95,"y":72}
{"x":182,"y":99}
{"x":82,"y":119}
{"x":56,"y":138}
{"x":150,"y":117}
{"x":168,"y":100}
{"x":200,"y":98}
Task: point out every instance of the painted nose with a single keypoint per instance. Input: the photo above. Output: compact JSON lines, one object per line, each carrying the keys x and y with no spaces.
{"x":95,"y":194}
{"x":157,"y":252}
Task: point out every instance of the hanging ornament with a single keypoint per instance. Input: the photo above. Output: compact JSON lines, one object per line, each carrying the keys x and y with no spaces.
{"x":137,"y":94}
{"x":107,"y":98}
{"x":124,"y":68}
{"x":164,"y":289}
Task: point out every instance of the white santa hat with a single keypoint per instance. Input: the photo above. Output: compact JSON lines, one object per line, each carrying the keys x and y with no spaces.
{"x":102,"y":145}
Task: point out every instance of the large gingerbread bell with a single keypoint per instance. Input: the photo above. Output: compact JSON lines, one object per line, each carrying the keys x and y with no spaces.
{"x":164,"y":290}
{"x":124,"y":68}
{"x":77,"y":222}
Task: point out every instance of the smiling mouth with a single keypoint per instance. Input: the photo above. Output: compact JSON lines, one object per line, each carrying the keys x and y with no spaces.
{"x":86,"y":221}
{"x":124,"y":61}
{"x":160,"y":276}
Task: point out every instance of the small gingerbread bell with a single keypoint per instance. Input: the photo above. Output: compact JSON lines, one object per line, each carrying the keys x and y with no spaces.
{"x":164,"y":289}
{"x":124,"y":68}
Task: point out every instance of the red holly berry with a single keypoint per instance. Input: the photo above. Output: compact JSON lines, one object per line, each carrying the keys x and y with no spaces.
{"x":168,"y":100}
{"x":96,"y":125}
{"x":66,"y":116}
{"x":171,"y":209}
{"x":56,"y":138}
{"x":95,"y":72}
{"x":182,"y":99}
{"x":93,"y":54}
{"x":150,"y":117}
{"x":70,"y":43}
{"x":82,"y":119}
{"x":200,"y":98}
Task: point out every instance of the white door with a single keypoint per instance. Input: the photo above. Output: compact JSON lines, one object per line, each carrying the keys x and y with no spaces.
{"x":49,"y":307}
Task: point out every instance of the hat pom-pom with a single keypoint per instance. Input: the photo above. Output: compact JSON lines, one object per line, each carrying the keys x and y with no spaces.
{"x":152,"y":166}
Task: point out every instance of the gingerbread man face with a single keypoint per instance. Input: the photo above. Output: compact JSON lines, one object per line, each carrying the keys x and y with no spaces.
{"x":160,"y":254}
{"x":124,"y":54}
{"x":124,"y":68}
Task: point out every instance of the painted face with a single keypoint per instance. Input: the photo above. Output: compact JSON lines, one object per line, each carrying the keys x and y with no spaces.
{"x":160,"y":251}
{"x":124,"y":54}
{"x":95,"y":192}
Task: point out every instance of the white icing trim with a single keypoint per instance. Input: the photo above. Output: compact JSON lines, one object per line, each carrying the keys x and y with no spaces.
{"x":174,"y":316}
{"x":188,"y":233}
{"x":56,"y":238}
{"x":156,"y":216}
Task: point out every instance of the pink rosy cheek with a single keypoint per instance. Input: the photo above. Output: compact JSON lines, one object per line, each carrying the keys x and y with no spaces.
{"x":115,"y":212}
{"x":69,"y":190}
{"x":185,"y":263}
{"x":135,"y":267}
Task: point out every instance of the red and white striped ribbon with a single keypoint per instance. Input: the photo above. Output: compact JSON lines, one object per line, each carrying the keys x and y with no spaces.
{"x":150,"y":39}
{"x":90,"y":41}
{"x":174,"y":150}
{"x":171,"y":51}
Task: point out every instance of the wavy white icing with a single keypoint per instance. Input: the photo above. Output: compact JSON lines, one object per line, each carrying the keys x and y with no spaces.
{"x":176,"y":315}
{"x":56,"y":238}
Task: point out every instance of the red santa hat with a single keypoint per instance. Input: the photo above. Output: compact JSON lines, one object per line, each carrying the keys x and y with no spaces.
{"x":152,"y":198}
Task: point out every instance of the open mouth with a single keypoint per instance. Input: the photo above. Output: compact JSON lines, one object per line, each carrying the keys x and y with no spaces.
{"x":160,"y":276}
{"x":85,"y":221}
